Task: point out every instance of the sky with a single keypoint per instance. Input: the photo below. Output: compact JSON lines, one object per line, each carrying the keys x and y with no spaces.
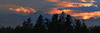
{"x":14,"y":12}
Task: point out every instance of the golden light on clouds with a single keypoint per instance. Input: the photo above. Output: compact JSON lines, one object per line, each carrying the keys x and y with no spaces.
{"x":71,"y":3}
{"x":53,"y":0}
{"x":66,"y":3}
{"x":83,"y":15}
{"x":77,"y":3}
{"x":87,"y":15}
{"x":83,"y":0}
{"x":56,"y":11}
{"x":23,"y":9}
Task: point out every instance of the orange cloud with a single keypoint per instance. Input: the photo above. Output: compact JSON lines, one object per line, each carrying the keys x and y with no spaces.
{"x":53,"y":0}
{"x":76,"y":3}
{"x":83,"y":0}
{"x":87,"y":15}
{"x":91,"y":1}
{"x":23,"y":9}
{"x":56,"y":11}
{"x":82,"y":15}
{"x":71,"y":3}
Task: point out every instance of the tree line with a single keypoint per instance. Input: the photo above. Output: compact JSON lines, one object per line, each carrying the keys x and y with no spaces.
{"x":58,"y":24}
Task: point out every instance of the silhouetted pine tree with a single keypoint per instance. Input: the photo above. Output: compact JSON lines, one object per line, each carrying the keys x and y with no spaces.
{"x":68,"y":24}
{"x":62,"y":18}
{"x":53,"y":26}
{"x":47,"y":22}
{"x":61,"y":23}
{"x":27,"y":26}
{"x":84,"y":27}
{"x":39,"y":27}
{"x":6,"y":30}
{"x":18,"y":29}
{"x":2,"y":30}
{"x":78,"y":27}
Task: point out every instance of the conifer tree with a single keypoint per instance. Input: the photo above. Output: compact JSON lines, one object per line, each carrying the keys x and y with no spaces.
{"x":78,"y":27}
{"x":27,"y":26}
{"x":68,"y":27}
{"x":18,"y":29}
{"x":39,"y":27}
{"x":53,"y":24}
{"x":84,"y":27}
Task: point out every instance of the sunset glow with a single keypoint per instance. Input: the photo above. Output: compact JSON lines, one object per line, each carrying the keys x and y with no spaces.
{"x":77,"y":3}
{"x":83,"y":0}
{"x":71,"y":4}
{"x":22,"y":9}
{"x":87,"y":15}
{"x":56,"y":11}
{"x":82,"y":15}
{"x":66,"y":3}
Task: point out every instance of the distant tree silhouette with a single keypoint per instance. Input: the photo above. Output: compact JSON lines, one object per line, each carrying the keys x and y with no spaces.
{"x":39,"y":27}
{"x":68,"y":24}
{"x":47,"y":22}
{"x":2,"y":30}
{"x":27,"y":26}
{"x":53,"y":24}
{"x":6,"y":30}
{"x":62,"y":18}
{"x":18,"y":29}
{"x":61,"y":22}
{"x":84,"y":27}
{"x":78,"y":26}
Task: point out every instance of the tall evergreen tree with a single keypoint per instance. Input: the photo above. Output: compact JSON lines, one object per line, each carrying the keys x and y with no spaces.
{"x":61,"y":22}
{"x":78,"y":27}
{"x":27,"y":26}
{"x":84,"y":27}
{"x":53,"y":25}
{"x":68,"y":24}
{"x":62,"y":18}
{"x":39,"y":27}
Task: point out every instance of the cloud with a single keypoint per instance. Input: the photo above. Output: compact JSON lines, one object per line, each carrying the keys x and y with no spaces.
{"x":79,"y":14}
{"x":86,"y":9}
{"x":87,"y":15}
{"x":72,"y":3}
{"x":53,"y":0}
{"x":7,"y":6}
{"x":81,"y":9}
{"x":4,"y":8}
{"x":25,"y":10}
